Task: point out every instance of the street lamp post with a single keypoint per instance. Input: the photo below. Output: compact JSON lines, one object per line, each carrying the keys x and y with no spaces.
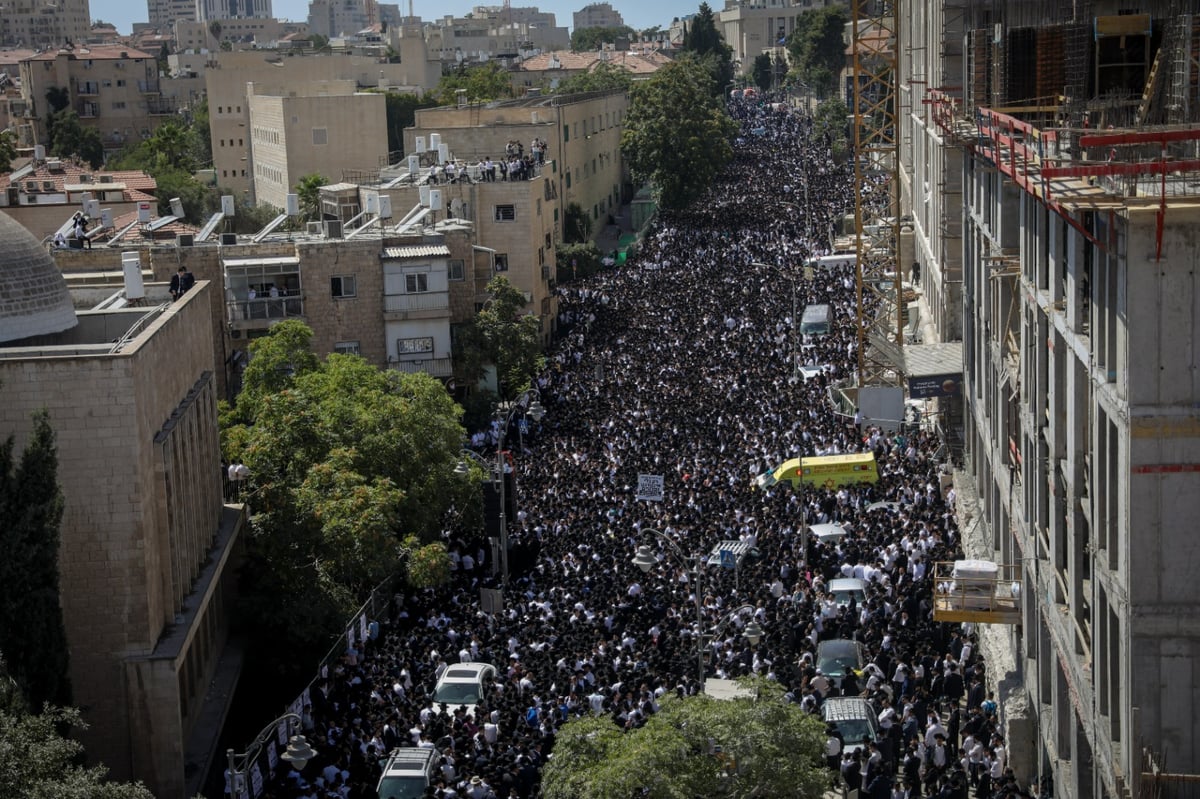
{"x":298,"y":752}
{"x":528,"y":403}
{"x":645,"y":559}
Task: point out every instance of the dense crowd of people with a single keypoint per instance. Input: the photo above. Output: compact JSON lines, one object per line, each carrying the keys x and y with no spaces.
{"x":680,"y":364}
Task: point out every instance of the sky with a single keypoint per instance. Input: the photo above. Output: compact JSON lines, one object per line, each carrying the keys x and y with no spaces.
{"x":638,"y":14}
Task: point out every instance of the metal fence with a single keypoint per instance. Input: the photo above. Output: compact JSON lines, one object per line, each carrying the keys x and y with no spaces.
{"x":263,"y":765}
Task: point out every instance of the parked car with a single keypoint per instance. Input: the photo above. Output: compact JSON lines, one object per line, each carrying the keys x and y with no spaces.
{"x":463,"y":685}
{"x":844,"y":588}
{"x":854,"y":718}
{"x":836,"y":657}
{"x":408,"y":772}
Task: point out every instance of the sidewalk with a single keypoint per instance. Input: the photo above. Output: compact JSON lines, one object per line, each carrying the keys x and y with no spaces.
{"x":609,"y":236}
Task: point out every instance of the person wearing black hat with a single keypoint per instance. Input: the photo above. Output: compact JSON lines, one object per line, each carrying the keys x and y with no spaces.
{"x":181,"y":282}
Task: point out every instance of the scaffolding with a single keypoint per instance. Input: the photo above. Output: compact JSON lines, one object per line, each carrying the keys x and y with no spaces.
{"x":875,"y":46}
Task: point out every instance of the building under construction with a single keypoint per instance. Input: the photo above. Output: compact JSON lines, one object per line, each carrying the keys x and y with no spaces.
{"x":1050,"y":160}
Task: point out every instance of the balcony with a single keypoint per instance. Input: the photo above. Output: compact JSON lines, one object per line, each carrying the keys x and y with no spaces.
{"x":437,"y":367}
{"x":87,"y":87}
{"x":162,"y":106}
{"x":263,"y":312}
{"x":148,"y":86}
{"x":417,"y":301}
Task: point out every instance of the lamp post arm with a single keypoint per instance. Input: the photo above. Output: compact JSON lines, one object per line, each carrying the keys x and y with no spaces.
{"x":257,"y":744}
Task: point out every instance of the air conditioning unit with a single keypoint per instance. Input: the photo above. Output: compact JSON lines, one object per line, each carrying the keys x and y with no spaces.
{"x":47,"y":185}
{"x":54,"y":165}
{"x":228,"y":239}
{"x":106,"y":179}
{"x":85,"y":178}
{"x":185,"y":239}
{"x":333,"y":228}
{"x":314,"y":228}
{"x":31,"y":185}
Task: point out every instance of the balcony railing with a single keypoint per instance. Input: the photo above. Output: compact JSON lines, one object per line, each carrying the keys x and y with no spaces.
{"x":161,"y":105}
{"x":265,"y":308}
{"x":438,"y":367}
{"x":421,"y":301}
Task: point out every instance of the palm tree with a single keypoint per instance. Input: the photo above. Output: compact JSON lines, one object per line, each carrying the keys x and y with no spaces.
{"x":308,"y":189}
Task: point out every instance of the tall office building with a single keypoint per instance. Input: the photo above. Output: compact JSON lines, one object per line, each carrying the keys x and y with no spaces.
{"x":231,"y":9}
{"x":163,"y":14}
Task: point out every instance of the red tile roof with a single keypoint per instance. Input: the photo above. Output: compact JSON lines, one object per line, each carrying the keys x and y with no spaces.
{"x":136,"y":182}
{"x":95,"y":51}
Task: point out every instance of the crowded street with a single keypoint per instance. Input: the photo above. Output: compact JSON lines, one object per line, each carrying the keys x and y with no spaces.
{"x":683,"y":362}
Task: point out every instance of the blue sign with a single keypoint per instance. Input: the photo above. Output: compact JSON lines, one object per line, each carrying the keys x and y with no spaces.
{"x":728,"y":559}
{"x":523,"y":426}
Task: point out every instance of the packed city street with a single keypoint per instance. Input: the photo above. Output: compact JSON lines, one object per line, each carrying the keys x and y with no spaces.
{"x":682,"y":363}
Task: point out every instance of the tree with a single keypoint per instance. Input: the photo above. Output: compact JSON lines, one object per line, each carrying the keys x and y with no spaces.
{"x":39,"y":763}
{"x":760,"y":746}
{"x":71,"y":139}
{"x":829,"y":123}
{"x":817,"y":49}
{"x":704,"y":41}
{"x":577,"y":224}
{"x":577,"y":260}
{"x":346,"y":462}
{"x":308,"y":190}
{"x":483,"y":83}
{"x":512,"y":338}
{"x":763,"y":71}
{"x":8,"y":149}
{"x":676,"y":134}
{"x":587,"y":39}
{"x":605,"y":76}
{"x":32,"y":635}
{"x":401,"y":114}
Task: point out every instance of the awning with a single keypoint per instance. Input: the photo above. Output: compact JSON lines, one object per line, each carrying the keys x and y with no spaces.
{"x":234,"y":263}
{"x":933,"y":370}
{"x":417,"y":251}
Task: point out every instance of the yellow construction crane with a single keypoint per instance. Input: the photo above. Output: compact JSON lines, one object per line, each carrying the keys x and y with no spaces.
{"x":881,"y":304}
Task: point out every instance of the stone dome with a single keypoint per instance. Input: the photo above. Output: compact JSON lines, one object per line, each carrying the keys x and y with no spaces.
{"x":34,"y":300}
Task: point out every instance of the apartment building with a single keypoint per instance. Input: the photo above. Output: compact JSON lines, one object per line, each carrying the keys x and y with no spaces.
{"x":113,"y":88}
{"x":193,"y":35}
{"x":754,"y":27}
{"x":163,"y":14}
{"x":44,"y":24}
{"x":455,"y":40}
{"x":326,"y":129}
{"x":274,"y":73}
{"x":1069,"y":132}
{"x":582,"y":133}
{"x":145,"y":555}
{"x":207,"y":10}
{"x":597,"y":15}
{"x":548,"y":70}
{"x":43,"y":195}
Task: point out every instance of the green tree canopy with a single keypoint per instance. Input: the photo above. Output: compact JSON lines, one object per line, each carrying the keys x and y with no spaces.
{"x":830,"y":123}
{"x":401,"y":114}
{"x":8,"y":149}
{"x":587,"y":39}
{"x":37,"y":762}
{"x":69,"y":138}
{"x":604,"y":77}
{"x":504,"y":335}
{"x":817,"y":49}
{"x":308,"y":191}
{"x":577,"y":224}
{"x":677,"y":135}
{"x":697,"y":746}
{"x":32,"y":635}
{"x":346,"y":461}
{"x":703,"y":40}
{"x":763,"y":71}
{"x":483,"y":83}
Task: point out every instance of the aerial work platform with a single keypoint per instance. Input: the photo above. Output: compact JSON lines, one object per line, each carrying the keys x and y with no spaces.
{"x":978,"y":591}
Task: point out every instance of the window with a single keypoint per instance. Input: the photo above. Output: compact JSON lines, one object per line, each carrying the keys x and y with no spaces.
{"x":414,"y":346}
{"x":539,"y":206}
{"x":541,"y":256}
{"x":343,"y":286}
{"x":346,"y":347}
{"x":455,"y":269}
{"x":506,"y":213}
{"x":501,"y":260}
{"x":416,"y":282}
{"x":120,"y":82}
{"x":119,"y":105}
{"x":320,"y":136}
{"x":568,"y":179}
{"x":566,"y":129}
{"x":549,"y":241}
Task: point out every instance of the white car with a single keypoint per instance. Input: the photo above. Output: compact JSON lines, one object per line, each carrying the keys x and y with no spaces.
{"x":463,"y":685}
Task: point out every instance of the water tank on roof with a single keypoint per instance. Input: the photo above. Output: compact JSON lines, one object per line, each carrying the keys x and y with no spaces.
{"x":419,"y":144}
{"x":131,"y":267}
{"x":293,"y":205}
{"x":435,"y":141}
{"x":435,"y":199}
{"x":424,"y":194}
{"x":443,"y":153}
